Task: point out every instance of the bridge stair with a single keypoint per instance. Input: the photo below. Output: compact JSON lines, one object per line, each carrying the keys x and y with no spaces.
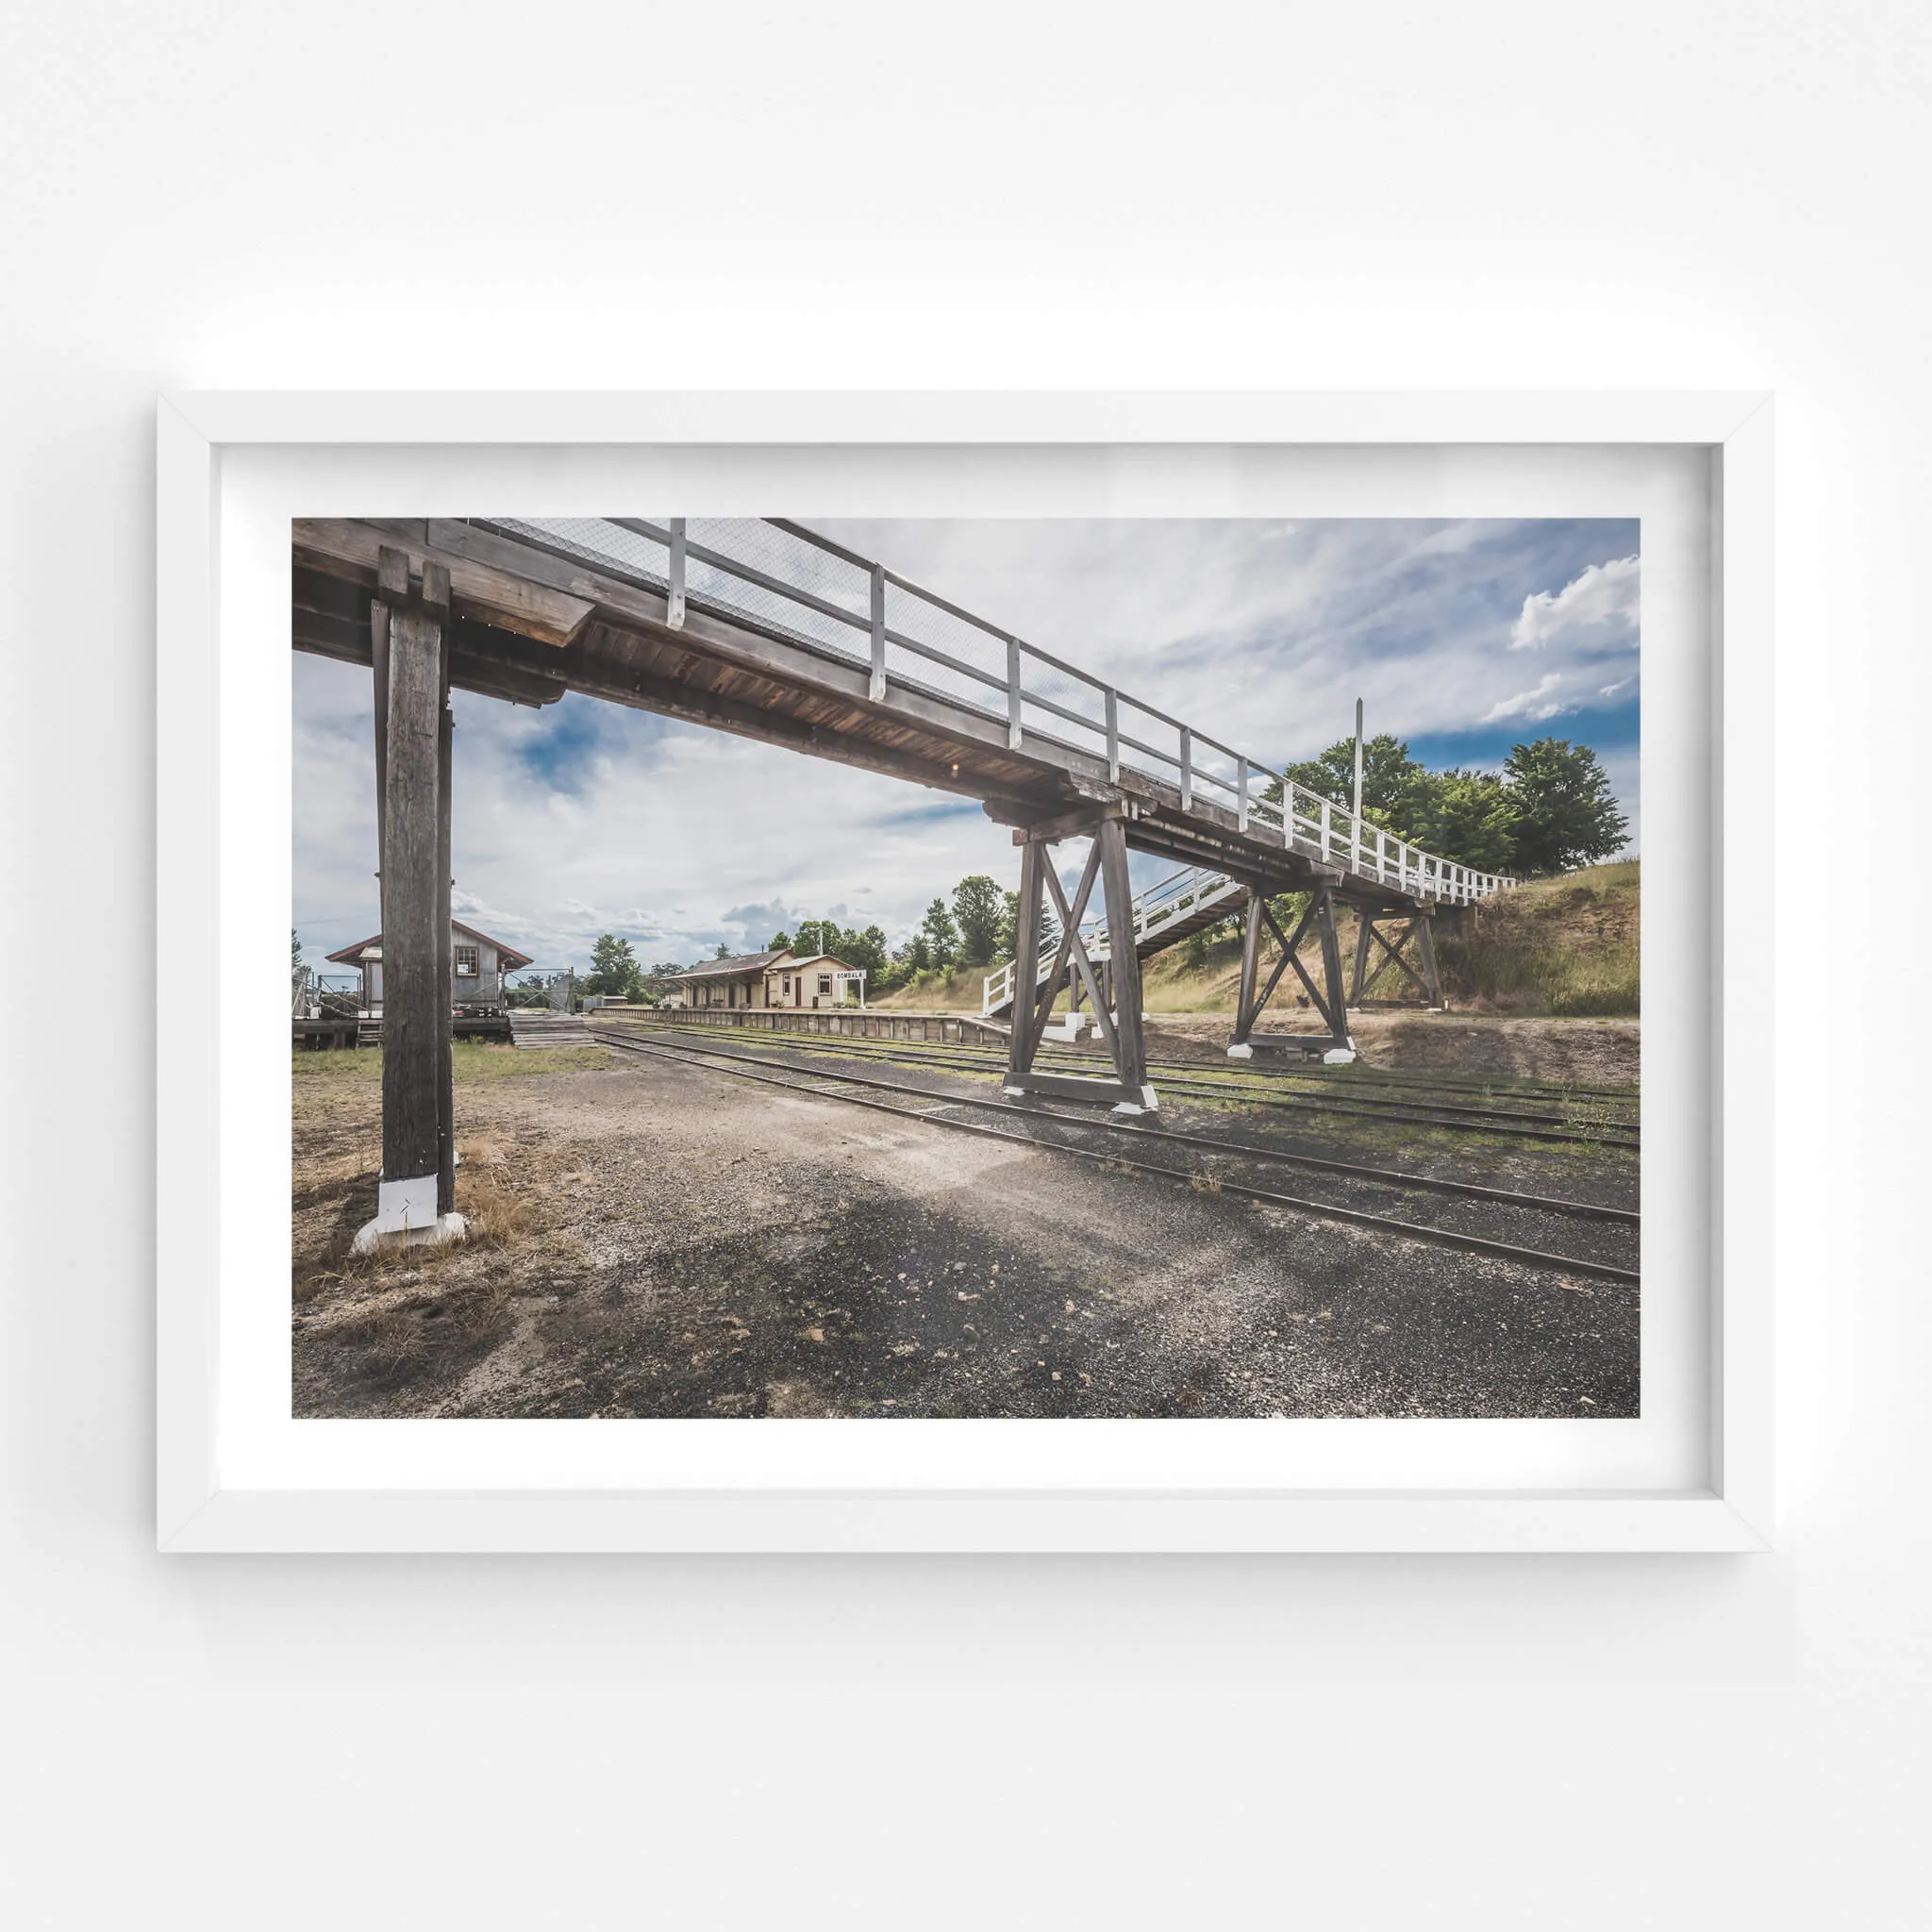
{"x":1177,"y":906}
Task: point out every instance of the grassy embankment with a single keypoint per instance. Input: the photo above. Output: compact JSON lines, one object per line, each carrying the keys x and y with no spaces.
{"x":1565,"y":946}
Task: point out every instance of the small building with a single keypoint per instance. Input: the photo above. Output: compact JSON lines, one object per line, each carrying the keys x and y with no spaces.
{"x":477,"y":966}
{"x":821,"y":980}
{"x":764,"y":981}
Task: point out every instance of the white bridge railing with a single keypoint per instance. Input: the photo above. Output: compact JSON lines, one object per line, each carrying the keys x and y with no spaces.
{"x":787,"y":578}
{"x":1194,"y":891}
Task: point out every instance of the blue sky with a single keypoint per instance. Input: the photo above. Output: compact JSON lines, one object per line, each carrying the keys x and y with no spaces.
{"x":1464,"y":638}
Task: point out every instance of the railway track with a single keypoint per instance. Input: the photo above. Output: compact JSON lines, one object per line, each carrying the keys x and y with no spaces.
{"x":1240,"y":1086}
{"x":1313,"y":1076}
{"x":1216,"y":1161}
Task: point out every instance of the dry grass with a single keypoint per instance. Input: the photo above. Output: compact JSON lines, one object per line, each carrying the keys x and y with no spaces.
{"x":503,"y":1215}
{"x":402,"y":1311}
{"x":1566,"y":946}
{"x":471,"y":1060}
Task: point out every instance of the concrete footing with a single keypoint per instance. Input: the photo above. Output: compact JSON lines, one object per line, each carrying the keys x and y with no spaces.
{"x":445,"y":1227}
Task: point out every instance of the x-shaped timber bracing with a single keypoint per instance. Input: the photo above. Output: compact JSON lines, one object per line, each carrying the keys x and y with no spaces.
{"x":1114,"y":988}
{"x":1327,"y":1001}
{"x":1419,"y":927}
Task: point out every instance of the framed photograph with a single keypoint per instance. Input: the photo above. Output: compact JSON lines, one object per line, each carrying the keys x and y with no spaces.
{"x":963,"y":972}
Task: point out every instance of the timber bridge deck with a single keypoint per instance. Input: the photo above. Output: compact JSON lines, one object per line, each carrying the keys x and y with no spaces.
{"x":764,"y":628}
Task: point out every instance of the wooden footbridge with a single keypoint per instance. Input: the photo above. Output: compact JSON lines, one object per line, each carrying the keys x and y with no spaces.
{"x":764,"y":628}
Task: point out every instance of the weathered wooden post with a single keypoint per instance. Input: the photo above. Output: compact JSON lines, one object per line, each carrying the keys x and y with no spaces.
{"x":1124,"y":965}
{"x":391,"y":592}
{"x":1425,"y":930}
{"x":445,"y":1058}
{"x":415,"y":1194}
{"x":1337,"y":1016}
{"x":1025,"y":965}
{"x":1251,"y":967}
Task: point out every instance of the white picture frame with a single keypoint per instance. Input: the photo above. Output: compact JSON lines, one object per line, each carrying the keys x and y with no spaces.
{"x":197,"y":1511}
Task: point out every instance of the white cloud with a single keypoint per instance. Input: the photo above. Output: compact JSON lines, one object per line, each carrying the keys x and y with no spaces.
{"x":1531,"y":705}
{"x":1598,"y":607}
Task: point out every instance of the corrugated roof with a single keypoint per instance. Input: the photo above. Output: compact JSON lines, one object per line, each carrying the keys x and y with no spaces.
{"x":507,"y":956}
{"x":744,"y":962}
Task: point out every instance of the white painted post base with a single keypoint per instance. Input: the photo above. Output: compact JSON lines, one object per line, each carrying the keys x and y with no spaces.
{"x":1340,"y":1056}
{"x":1149,"y":1104}
{"x":1243,"y":1052}
{"x":406,"y":1213}
{"x":446,"y":1227}
{"x":1014,"y":1093}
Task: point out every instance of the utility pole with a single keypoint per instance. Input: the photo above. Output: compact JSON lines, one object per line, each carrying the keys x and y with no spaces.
{"x":1356,"y":840}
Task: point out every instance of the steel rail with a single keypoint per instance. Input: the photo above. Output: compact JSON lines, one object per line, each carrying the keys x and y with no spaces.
{"x":1209,"y":1079}
{"x":1381,"y":1176}
{"x":1319,"y":1210}
{"x":1365,"y":1077}
{"x":1401,"y":1112}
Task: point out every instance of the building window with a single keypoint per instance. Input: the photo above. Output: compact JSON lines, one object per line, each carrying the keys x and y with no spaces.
{"x":466,"y":963}
{"x":824,"y":982}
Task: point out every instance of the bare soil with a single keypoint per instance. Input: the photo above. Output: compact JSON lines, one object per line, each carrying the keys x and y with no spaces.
{"x":653,"y":1239}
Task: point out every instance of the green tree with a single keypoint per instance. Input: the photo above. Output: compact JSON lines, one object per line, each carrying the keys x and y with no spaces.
{"x":1468,"y":817}
{"x":941,"y":935}
{"x":866,"y":950}
{"x":720,"y":951}
{"x":614,"y":970}
{"x":1566,"y":813}
{"x":1389,"y":777}
{"x":1008,"y":942}
{"x":816,"y":936}
{"x":664,"y":969}
{"x":917,"y":955}
{"x":781,"y":943}
{"x":976,"y":906}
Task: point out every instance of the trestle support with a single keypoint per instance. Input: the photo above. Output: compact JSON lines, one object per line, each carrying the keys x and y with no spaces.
{"x":1112,"y":989}
{"x":1335,"y":1047}
{"x":1419,"y":925}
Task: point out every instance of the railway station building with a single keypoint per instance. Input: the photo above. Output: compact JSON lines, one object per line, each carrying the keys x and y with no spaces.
{"x":766,"y":981}
{"x":476,"y":967}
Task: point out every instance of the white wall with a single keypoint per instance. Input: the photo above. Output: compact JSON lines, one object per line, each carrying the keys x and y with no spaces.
{"x":1671,"y":195}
